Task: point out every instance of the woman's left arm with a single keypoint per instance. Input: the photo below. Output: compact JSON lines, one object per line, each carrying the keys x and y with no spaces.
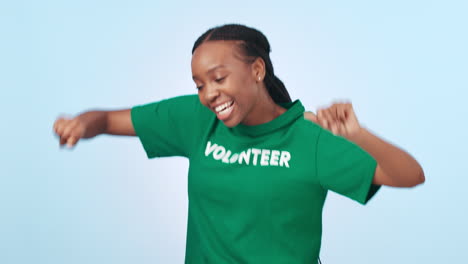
{"x":395,"y":167}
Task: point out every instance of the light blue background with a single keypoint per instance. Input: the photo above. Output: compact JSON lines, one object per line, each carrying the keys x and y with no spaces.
{"x":403,"y":65}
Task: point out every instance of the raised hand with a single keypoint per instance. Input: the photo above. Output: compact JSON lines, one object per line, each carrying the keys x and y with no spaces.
{"x":339,"y":118}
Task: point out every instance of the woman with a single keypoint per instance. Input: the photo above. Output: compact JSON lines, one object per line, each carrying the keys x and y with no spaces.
{"x":259,"y":172}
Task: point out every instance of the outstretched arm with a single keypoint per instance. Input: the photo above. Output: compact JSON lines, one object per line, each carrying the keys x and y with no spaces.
{"x":395,"y":167}
{"x":92,"y":123}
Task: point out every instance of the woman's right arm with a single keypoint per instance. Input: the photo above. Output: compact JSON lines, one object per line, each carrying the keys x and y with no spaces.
{"x":92,"y":123}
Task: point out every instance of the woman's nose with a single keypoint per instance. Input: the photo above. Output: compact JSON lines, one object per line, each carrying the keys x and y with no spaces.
{"x":211,"y":93}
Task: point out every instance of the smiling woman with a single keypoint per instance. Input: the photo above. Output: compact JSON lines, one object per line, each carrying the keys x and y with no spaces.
{"x":259,"y":171}
{"x":229,"y":74}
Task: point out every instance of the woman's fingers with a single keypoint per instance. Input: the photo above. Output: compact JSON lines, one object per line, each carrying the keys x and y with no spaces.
{"x":341,"y":129}
{"x":59,"y":126}
{"x":310,"y":116}
{"x":340,"y":111}
{"x":72,"y":140}
{"x":339,"y":118}
{"x":321,"y":118}
{"x":63,"y":141}
{"x":331,"y":118}
{"x":71,"y":128}
{"x":326,"y":118}
{"x":69,"y":131}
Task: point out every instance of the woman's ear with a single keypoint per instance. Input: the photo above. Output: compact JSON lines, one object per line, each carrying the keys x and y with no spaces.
{"x":258,"y":69}
{"x":311,"y":117}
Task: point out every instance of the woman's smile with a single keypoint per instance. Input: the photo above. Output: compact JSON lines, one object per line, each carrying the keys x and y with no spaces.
{"x":223,"y":111}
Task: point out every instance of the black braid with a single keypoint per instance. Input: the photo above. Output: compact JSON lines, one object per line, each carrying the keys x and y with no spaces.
{"x":253,"y":44}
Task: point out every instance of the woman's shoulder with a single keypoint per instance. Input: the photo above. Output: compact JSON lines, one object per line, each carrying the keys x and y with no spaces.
{"x":307,"y":131}
{"x":307,"y":126}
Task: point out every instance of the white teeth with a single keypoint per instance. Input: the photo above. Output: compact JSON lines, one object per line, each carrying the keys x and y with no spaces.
{"x":223,"y":106}
{"x":224,"y":110}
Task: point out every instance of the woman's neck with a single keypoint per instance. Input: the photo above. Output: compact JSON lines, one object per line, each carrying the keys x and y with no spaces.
{"x":264,"y":111}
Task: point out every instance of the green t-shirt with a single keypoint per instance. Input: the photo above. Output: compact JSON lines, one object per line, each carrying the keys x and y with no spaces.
{"x":256,"y":193}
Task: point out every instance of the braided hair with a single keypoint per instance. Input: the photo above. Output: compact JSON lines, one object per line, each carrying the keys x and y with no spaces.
{"x":252,"y":44}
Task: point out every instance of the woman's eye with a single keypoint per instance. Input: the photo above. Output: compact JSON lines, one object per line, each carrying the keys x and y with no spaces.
{"x":220,"y":79}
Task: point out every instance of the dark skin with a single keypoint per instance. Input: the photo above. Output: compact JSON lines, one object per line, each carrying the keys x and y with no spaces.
{"x":235,"y":81}
{"x":240,"y":85}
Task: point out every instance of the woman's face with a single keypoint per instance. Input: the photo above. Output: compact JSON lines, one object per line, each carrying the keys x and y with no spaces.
{"x":226,"y":85}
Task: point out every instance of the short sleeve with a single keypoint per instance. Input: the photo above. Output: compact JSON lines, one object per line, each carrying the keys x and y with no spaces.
{"x":168,"y":127}
{"x":345,"y":168}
